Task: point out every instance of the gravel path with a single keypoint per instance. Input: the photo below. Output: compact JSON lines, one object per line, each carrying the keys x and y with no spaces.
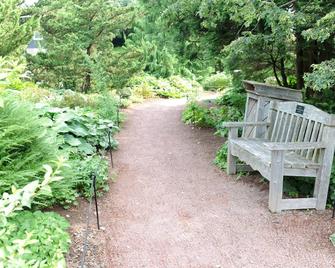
{"x":171,"y":207}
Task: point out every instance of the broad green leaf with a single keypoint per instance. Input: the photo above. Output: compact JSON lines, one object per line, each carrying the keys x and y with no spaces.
{"x":79,"y":130}
{"x":71,"y":140}
{"x":86,"y":148}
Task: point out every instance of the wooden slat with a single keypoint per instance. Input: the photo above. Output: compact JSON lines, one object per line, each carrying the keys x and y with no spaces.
{"x":274,"y":129}
{"x":298,"y":203}
{"x":313,"y":138}
{"x":289,"y":130}
{"x":302,"y":130}
{"x":280,"y":120}
{"x":243,"y":124}
{"x":284,"y":130}
{"x":307,"y":136}
{"x":300,"y":172}
{"x":297,"y":125}
{"x":317,"y":151}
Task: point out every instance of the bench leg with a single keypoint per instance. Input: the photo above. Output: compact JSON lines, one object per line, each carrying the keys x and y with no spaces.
{"x":276,"y":181}
{"x":321,"y":187}
{"x":323,"y":177}
{"x":231,"y":164}
{"x":231,"y":160}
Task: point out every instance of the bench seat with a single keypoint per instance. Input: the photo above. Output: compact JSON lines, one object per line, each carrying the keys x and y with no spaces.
{"x":258,"y":157}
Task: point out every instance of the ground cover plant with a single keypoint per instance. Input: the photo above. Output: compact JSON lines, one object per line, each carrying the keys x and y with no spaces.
{"x":25,"y":144}
{"x":144,"y":86}
{"x":32,"y":239}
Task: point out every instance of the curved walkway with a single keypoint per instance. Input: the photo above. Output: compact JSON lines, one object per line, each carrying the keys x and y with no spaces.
{"x":171,"y":207}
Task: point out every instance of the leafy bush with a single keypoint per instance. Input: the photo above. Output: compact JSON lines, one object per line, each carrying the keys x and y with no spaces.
{"x":198,"y":115}
{"x":31,"y":136}
{"x":72,"y":99}
{"x":221,"y":156}
{"x":32,"y":239}
{"x":232,"y":98}
{"x":230,"y":107}
{"x":83,"y":169}
{"x":80,"y":131}
{"x":43,"y":239}
{"x":107,"y":106}
{"x":25,"y":144}
{"x":219,"y":81}
{"x":11,"y":75}
{"x":82,"y":135}
{"x":36,"y":95}
{"x":145,"y":86}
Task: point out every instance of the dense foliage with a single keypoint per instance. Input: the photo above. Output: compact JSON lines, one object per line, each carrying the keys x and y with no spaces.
{"x":15,"y":28}
{"x":32,"y":239}
{"x":81,"y":54}
{"x":25,"y":144}
{"x":101,"y":55}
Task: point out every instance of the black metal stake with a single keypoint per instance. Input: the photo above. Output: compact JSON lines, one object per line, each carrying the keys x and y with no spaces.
{"x":94,"y":177}
{"x":110,"y":147}
{"x":118,"y":116}
{"x":333,"y":210}
{"x":118,"y":113}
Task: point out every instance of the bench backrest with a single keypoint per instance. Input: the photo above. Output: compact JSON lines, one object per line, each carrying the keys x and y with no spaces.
{"x":299,"y":122}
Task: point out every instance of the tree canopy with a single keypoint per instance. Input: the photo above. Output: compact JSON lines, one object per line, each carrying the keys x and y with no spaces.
{"x":16,"y":27}
{"x":100,"y":44}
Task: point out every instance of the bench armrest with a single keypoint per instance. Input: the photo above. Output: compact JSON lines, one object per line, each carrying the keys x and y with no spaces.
{"x":243,"y":124}
{"x":287,"y":146}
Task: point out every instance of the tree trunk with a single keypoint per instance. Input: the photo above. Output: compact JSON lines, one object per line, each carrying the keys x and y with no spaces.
{"x":283,"y":72}
{"x":299,"y":60}
{"x":274,"y":69}
{"x":87,"y":83}
{"x":86,"y":86}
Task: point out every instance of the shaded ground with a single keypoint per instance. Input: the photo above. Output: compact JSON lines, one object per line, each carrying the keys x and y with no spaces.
{"x":171,"y":207}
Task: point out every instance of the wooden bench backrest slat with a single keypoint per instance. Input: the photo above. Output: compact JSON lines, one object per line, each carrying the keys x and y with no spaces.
{"x":316,"y":153}
{"x":299,"y":122}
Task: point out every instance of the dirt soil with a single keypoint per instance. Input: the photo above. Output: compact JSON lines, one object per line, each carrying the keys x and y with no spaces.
{"x":171,"y":207}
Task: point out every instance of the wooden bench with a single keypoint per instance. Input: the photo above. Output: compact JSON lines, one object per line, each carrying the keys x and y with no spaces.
{"x":299,"y":141}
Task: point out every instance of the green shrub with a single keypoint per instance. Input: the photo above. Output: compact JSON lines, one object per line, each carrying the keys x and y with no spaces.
{"x":25,"y":144}
{"x":83,"y":169}
{"x":218,"y":82}
{"x":32,"y":239}
{"x":43,"y":239}
{"x":198,"y":115}
{"x":73,"y":99}
{"x":221,"y":157}
{"x":107,"y":106}
{"x":11,"y":75}
{"x":79,"y":131}
{"x":37,"y":95}
{"x":81,"y":134}
{"x":232,"y":98}
{"x":185,"y":86}
{"x":229,"y":107}
{"x":145,"y":86}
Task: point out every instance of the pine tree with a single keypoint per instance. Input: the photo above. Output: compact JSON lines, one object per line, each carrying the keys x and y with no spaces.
{"x":15,"y":29}
{"x":79,"y":37}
